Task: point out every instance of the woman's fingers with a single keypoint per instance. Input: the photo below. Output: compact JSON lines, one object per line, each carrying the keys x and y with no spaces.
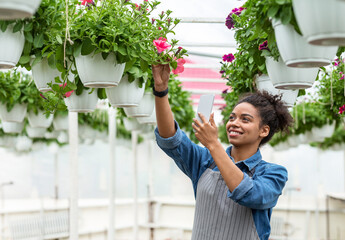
{"x":212,"y":120}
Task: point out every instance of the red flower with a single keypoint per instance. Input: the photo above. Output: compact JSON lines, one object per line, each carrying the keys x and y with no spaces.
{"x":86,"y":2}
{"x":342,"y":109}
{"x":228,"y":57}
{"x":161,"y":44}
{"x":180,"y":67}
{"x":67,"y":94}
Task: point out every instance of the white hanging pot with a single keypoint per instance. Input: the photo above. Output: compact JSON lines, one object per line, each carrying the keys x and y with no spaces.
{"x":23,"y":144}
{"x":85,"y":102}
{"x":43,"y":74}
{"x":125,"y":94}
{"x":263,"y":82}
{"x":51,"y":135}
{"x":17,"y":9}
{"x":95,"y":72}
{"x":8,"y":141}
{"x":297,"y":52}
{"x":284,"y":77}
{"x":321,"y":22}
{"x":326,"y":131}
{"x":63,"y":137}
{"x":35,"y":132}
{"x":144,"y":109}
{"x":16,"y":114}
{"x":60,"y":123}
{"x":40,"y":120}
{"x":131,"y":124}
{"x":151,"y":120}
{"x":102,"y":136}
{"x":12,"y":127}
{"x":11,"y":47}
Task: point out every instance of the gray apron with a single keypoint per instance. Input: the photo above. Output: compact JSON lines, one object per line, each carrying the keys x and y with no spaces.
{"x":218,"y":217}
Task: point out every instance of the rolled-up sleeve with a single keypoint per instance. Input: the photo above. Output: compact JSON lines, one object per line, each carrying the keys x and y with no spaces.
{"x":171,"y":142}
{"x":261,"y":191}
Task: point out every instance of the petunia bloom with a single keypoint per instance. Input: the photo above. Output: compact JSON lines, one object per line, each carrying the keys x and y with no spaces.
{"x":67,"y":94}
{"x":161,"y":44}
{"x":229,"y":22}
{"x":228,"y":57}
{"x":87,"y":2}
{"x":180,"y":66}
{"x":263,"y":46}
{"x":342,"y":109}
{"x":342,"y":75}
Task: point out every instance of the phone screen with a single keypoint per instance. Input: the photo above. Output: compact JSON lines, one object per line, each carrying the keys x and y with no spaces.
{"x":205,"y":106}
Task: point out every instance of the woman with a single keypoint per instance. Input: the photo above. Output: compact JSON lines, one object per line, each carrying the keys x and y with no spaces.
{"x":235,"y":189}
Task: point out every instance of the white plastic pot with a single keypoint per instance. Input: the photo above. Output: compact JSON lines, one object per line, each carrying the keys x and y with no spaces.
{"x":321,"y":21}
{"x":144,"y":109}
{"x":85,"y":102}
{"x":35,"y":132}
{"x":131,"y":124}
{"x":17,"y":113}
{"x":11,"y":47}
{"x":12,"y":127}
{"x":63,"y":137}
{"x":284,"y":77}
{"x":17,"y":9}
{"x":326,"y":131}
{"x":40,"y":120}
{"x":86,"y":132}
{"x":60,"y":123}
{"x":297,"y":52}
{"x":125,"y":94}
{"x":95,"y":72}
{"x":51,"y":135}
{"x":263,"y":82}
{"x":151,"y":120}
{"x":8,"y":141}
{"x":23,"y":144}
{"x":43,"y":74}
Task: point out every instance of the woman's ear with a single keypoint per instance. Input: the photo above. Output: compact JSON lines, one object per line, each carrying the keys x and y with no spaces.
{"x":264,"y":131}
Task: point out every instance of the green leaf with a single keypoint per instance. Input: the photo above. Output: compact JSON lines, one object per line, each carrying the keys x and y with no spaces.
{"x":28,"y":27}
{"x":18,"y":26}
{"x":77,"y":50}
{"x":51,"y":61}
{"x":36,"y":60}
{"x":87,"y":47}
{"x":28,"y":37}
{"x":122,"y":50}
{"x":286,"y":15}
{"x":281,"y":2}
{"x":144,"y":65}
{"x":39,"y":41}
{"x":24,"y":59}
{"x":59,"y":39}
{"x":272,"y":11}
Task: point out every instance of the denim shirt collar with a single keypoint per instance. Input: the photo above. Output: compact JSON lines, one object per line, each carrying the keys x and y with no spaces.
{"x":249,"y":162}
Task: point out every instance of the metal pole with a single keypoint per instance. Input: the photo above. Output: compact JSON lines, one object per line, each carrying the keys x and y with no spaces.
{"x":135,"y":184}
{"x":56,"y":164}
{"x":73,"y":157}
{"x":112,"y":170}
{"x":317,"y":210}
{"x":150,"y":188}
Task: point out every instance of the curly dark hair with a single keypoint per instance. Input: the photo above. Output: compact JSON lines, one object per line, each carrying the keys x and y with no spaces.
{"x":272,"y":110}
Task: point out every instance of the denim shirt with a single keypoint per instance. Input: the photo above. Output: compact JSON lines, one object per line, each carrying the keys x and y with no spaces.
{"x":259,"y":192}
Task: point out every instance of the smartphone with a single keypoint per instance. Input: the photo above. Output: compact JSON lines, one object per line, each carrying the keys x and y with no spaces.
{"x":205,"y":106}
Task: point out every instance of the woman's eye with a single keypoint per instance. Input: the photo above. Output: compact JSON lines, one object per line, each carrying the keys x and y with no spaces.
{"x":231,"y":118}
{"x":246,"y":119}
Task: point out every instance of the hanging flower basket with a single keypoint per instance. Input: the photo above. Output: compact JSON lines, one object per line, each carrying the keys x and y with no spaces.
{"x":297,"y":52}
{"x":8,"y":141}
{"x":85,"y":102}
{"x":144,"y":109}
{"x":131,"y":124}
{"x":60,"y":123}
{"x":12,"y":127}
{"x":17,"y":113}
{"x":263,"y":82}
{"x":95,"y":72}
{"x":23,"y":144}
{"x":125,"y":94}
{"x":44,"y":74}
{"x":321,"y":22}
{"x":40,"y":120}
{"x":284,"y":77}
{"x":63,"y":137}
{"x":86,"y":132}
{"x":11,"y":47}
{"x":151,"y":120}
{"x":35,"y":132}
{"x":326,"y":131}
{"x":51,"y":135}
{"x":16,"y":9}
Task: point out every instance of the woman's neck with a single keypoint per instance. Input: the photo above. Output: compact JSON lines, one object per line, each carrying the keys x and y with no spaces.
{"x":241,"y":153}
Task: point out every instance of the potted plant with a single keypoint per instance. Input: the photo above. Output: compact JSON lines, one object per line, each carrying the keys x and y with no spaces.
{"x":16,"y":9}
{"x":12,"y":127}
{"x":93,"y":124}
{"x":13,"y":96}
{"x":318,"y":26}
{"x":60,"y":121}
{"x":144,"y":109}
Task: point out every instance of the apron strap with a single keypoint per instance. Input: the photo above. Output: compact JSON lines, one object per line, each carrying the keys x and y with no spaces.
{"x":213,"y":165}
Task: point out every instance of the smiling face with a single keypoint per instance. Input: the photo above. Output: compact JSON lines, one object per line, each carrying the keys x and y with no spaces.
{"x":243,"y":127}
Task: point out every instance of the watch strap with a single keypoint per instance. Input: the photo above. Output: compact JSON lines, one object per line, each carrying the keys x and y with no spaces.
{"x":160,"y":94}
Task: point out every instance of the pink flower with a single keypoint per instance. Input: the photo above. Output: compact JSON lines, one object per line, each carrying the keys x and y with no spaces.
{"x":161,"y":44}
{"x":342,"y":109}
{"x":228,"y":57}
{"x":67,"y":94}
{"x":342,"y":75}
{"x":180,"y":67}
{"x":87,"y":2}
{"x":263,"y":46}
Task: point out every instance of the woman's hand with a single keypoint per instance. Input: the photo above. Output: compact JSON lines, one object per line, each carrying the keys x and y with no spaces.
{"x":161,"y":76}
{"x":206,"y":132}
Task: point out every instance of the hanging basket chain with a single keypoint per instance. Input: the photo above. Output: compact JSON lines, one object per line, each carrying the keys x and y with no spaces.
{"x":332,"y":72}
{"x":303,"y":112}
